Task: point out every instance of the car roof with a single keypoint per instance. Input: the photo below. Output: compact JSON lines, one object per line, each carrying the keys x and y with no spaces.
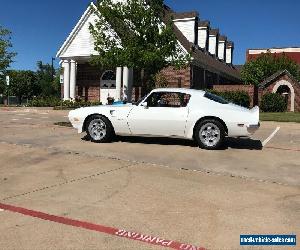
{"x":181,"y":90}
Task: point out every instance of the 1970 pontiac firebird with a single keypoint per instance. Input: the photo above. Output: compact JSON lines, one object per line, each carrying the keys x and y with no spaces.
{"x":171,"y":112}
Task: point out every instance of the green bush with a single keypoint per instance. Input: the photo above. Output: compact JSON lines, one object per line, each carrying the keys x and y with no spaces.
{"x":59,"y":104}
{"x":241,"y":98}
{"x":44,"y":102}
{"x":272,"y":102}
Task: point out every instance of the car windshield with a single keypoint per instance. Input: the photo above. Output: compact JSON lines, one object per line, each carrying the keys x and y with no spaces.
{"x":215,"y":98}
{"x":139,"y":101}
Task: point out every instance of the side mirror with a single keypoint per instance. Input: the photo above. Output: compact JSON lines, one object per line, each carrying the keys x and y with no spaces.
{"x":145,"y":105}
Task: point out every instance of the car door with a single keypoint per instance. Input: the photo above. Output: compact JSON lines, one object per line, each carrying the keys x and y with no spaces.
{"x":161,"y":114}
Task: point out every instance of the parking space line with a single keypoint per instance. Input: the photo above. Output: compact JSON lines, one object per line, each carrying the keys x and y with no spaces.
{"x":100,"y":228}
{"x":265,"y":142}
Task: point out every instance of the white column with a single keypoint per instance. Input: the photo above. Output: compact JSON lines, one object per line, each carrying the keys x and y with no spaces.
{"x":125,"y":83}
{"x":66,"y":80}
{"x":118,"y":83}
{"x":72,"y":80}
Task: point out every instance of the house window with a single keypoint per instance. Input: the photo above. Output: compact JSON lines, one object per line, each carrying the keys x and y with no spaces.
{"x":108,"y":75}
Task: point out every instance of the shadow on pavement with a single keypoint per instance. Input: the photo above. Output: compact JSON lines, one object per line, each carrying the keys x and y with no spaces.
{"x":243,"y":143}
{"x":236,"y":143}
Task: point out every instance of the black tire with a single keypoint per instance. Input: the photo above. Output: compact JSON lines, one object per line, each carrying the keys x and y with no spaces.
{"x":99,"y":129}
{"x":209,"y":134}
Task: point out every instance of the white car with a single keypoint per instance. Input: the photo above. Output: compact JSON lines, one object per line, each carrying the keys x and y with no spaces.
{"x":170,"y":112}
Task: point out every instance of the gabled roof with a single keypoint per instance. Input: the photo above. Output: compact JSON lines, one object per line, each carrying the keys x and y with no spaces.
{"x":91,"y":8}
{"x":275,"y":76}
{"x":200,"y":58}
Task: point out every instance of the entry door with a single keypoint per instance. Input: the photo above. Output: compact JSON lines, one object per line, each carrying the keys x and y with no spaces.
{"x":107,"y":86}
{"x":164,"y":115}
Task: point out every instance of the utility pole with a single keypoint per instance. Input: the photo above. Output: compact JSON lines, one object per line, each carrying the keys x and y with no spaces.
{"x":52,"y":68}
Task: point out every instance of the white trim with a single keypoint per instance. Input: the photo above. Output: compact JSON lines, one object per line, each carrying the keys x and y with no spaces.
{"x":185,"y":19}
{"x":92,"y":7}
{"x":286,"y":83}
{"x":274,"y":50}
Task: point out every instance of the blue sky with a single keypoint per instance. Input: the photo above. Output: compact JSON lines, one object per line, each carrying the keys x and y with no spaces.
{"x":40,"y":26}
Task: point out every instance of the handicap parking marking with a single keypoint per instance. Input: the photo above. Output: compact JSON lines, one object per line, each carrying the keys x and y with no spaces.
{"x":266,"y":141}
{"x":130,"y":235}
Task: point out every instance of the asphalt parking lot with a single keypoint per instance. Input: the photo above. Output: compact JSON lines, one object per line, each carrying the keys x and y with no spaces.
{"x":166,"y":188}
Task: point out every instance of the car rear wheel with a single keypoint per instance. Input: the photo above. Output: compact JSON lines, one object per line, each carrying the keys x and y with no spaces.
{"x":99,"y":129}
{"x":209,"y":134}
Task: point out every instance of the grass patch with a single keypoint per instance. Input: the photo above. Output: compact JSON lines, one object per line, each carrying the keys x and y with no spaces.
{"x":281,"y":117}
{"x":63,"y":124}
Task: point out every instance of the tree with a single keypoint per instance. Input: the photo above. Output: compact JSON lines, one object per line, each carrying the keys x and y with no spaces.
{"x":22,"y":83}
{"x":5,"y":55}
{"x":47,"y":84}
{"x":256,"y":71}
{"x":132,"y":34}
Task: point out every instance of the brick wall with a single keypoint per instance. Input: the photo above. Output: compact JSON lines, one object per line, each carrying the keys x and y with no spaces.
{"x":250,"y":89}
{"x":296,"y":86}
{"x":177,"y":77}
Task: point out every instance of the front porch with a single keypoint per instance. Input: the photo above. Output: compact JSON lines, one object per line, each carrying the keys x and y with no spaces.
{"x":82,"y":80}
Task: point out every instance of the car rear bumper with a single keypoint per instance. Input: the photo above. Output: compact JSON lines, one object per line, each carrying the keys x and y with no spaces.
{"x":251,"y":129}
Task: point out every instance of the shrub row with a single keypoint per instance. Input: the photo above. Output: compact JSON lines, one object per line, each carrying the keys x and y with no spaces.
{"x":241,"y":98}
{"x":272,"y":102}
{"x":59,"y":104}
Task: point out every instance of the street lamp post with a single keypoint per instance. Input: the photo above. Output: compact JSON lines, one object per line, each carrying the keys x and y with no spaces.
{"x":7,"y":83}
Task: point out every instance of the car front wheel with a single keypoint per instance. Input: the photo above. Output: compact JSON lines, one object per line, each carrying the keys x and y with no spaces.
{"x":99,"y":129}
{"x":209,"y":134}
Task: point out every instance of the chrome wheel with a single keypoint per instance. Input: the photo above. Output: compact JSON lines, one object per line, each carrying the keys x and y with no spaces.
{"x":97,"y":129}
{"x":210,"y":134}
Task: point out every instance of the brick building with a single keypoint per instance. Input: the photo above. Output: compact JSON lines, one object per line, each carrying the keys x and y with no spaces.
{"x":212,"y":55}
{"x":292,"y":52}
{"x":282,"y":82}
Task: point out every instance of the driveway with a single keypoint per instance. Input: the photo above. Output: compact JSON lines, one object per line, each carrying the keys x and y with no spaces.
{"x":165,"y":188}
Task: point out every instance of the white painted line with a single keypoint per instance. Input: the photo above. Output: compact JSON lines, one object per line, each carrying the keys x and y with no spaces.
{"x":265,"y":142}
{"x":15,"y":119}
{"x":43,"y":113}
{"x":21,"y":114}
{"x":1,"y":210}
{"x":28,"y":118}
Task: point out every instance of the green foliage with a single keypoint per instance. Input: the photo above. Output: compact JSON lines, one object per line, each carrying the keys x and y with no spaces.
{"x":140,"y":40}
{"x":59,"y":104}
{"x":241,"y":98}
{"x":6,"y":55}
{"x":256,"y":71}
{"x":22,"y":83}
{"x":273,"y":102}
{"x":48,"y":83}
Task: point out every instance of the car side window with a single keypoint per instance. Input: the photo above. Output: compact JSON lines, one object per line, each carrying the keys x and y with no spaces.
{"x":168,"y":99}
